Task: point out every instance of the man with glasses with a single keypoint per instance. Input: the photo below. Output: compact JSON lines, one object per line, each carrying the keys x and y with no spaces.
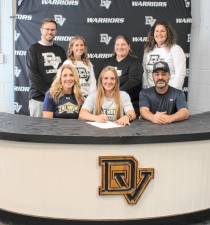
{"x":42,"y":62}
{"x":162,"y":104}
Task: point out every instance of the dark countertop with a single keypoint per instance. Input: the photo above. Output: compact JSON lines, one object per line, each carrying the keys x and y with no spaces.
{"x":24,"y":128}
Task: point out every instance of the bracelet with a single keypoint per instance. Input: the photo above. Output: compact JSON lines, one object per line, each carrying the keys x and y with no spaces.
{"x":129,"y":116}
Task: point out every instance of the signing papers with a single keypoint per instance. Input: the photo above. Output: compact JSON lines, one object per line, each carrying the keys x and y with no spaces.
{"x":106,"y":125}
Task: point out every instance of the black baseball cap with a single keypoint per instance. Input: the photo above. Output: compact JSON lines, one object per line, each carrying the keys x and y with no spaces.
{"x":161,"y":65}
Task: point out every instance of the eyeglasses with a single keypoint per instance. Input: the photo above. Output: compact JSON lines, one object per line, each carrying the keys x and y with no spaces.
{"x":48,"y":29}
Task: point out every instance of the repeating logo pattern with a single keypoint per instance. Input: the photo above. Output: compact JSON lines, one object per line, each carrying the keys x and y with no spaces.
{"x":149,"y":20}
{"x":19,"y":2}
{"x":17,"y":35}
{"x":17,"y":107}
{"x":120,"y":175}
{"x":187,"y":3}
{"x":17,"y":71}
{"x":61,"y":2}
{"x":105,"y":38}
{"x":105,"y":3}
{"x":59,"y":19}
{"x":149,"y":4}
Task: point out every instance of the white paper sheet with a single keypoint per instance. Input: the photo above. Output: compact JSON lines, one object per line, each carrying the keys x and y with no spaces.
{"x":106,"y":125}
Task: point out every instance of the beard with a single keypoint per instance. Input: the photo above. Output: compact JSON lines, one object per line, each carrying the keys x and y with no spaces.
{"x":161,"y":84}
{"x":50,"y":38}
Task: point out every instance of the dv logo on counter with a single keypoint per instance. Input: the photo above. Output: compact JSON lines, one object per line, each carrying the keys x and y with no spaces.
{"x":120,"y":175}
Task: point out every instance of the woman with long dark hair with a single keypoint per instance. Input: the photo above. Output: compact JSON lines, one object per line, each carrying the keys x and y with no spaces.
{"x":128,"y":68}
{"x":161,"y":46}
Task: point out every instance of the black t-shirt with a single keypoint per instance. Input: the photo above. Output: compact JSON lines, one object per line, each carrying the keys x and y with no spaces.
{"x":170,"y":102}
{"x":42,"y":63}
{"x":129,"y":72}
{"x":66,"y":107}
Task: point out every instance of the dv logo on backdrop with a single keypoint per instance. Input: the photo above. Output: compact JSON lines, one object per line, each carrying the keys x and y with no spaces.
{"x":19,"y":2}
{"x":17,"y":35}
{"x":187,"y":3}
{"x":120,"y":175}
{"x":105,"y":38}
{"x":59,"y":19}
{"x":106,"y":3}
{"x":17,"y":71}
{"x":187,"y":55}
{"x":17,"y":107}
{"x":149,"y":20}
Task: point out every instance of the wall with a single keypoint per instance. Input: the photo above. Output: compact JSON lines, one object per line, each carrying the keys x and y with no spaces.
{"x":6,"y":48}
{"x":199,"y":80}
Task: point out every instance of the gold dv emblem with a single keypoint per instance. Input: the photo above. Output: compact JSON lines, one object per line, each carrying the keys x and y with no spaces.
{"x":120,"y":175}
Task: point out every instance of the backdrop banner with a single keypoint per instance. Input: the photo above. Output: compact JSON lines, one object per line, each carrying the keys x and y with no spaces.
{"x":99,"y":21}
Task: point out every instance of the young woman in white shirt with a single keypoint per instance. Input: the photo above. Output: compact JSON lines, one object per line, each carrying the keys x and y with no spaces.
{"x":77,"y":56}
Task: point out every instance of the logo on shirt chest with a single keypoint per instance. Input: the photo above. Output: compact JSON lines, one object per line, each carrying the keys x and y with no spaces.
{"x":109,"y":112}
{"x":153,"y":59}
{"x":68,"y":108}
{"x":83,"y":73}
{"x":50,"y":59}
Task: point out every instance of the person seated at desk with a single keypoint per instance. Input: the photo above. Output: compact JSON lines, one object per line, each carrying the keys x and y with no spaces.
{"x":162,"y":104}
{"x":64,"y":99}
{"x":108,"y":103}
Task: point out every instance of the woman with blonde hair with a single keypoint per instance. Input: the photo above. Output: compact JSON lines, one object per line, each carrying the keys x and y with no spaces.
{"x":161,"y":46}
{"x":77,"y":55}
{"x":64,"y":99}
{"x":108,"y":103}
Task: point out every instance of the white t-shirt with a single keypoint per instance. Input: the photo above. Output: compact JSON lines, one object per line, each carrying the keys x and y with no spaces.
{"x":86,"y":76}
{"x":176,"y":59}
{"x":109,"y":106}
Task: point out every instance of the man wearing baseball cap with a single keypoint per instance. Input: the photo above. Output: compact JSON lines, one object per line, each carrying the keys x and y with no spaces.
{"x":162,"y":104}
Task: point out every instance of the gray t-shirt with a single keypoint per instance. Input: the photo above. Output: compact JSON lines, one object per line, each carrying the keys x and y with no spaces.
{"x":170,"y":102}
{"x":109,"y":106}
